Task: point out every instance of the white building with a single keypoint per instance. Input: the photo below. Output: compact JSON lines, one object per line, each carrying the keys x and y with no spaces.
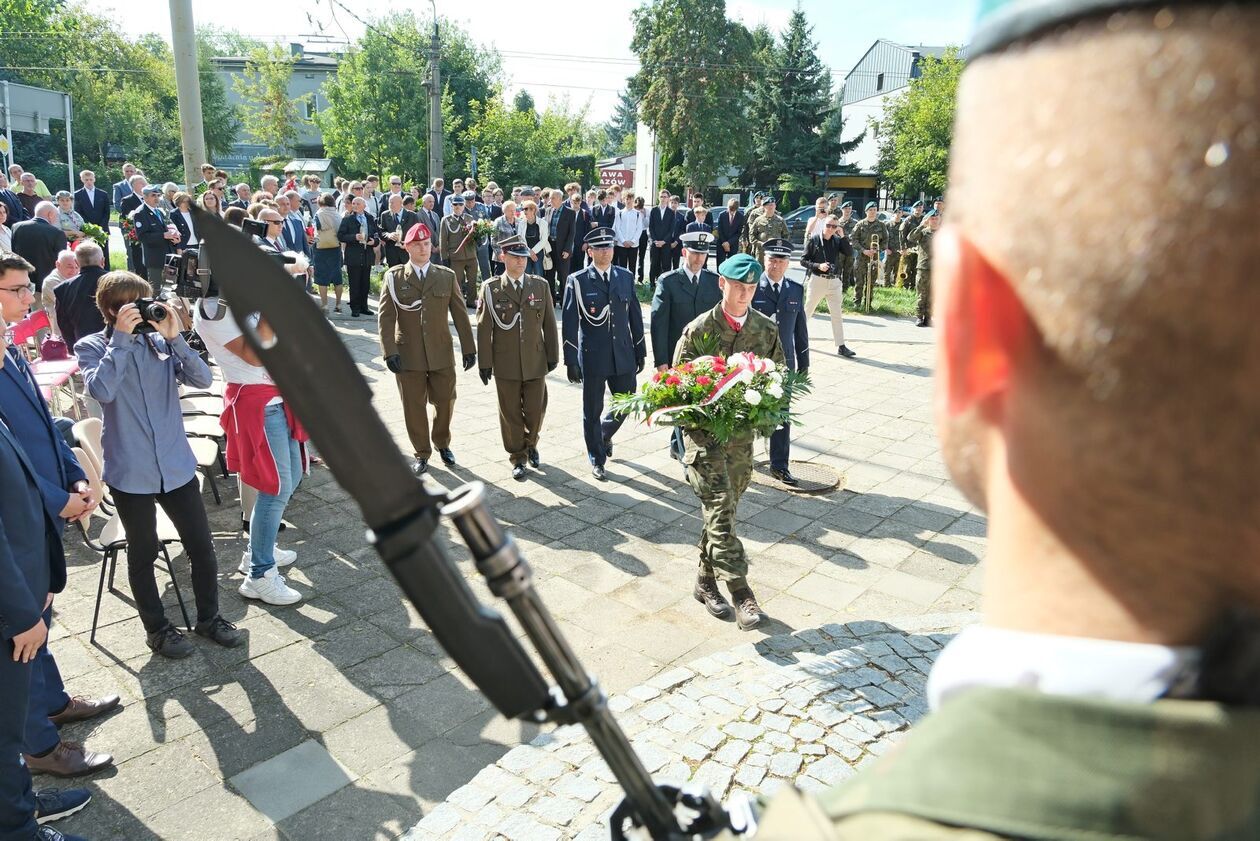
{"x":883,"y":72}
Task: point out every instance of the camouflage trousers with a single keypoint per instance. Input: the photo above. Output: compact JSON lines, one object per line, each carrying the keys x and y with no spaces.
{"x":910,"y":259}
{"x":719,"y":474}
{"x":892,"y":265}
{"x":860,"y":273}
{"x":924,"y":301}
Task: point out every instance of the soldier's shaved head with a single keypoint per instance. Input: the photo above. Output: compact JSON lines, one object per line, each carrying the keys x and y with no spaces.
{"x":1096,"y":287}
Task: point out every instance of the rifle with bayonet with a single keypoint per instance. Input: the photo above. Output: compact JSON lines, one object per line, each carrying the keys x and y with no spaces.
{"x":320,"y":382}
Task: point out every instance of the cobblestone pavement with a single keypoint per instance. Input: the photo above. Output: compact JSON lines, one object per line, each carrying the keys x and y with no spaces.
{"x":341,"y":718}
{"x":805,"y":709}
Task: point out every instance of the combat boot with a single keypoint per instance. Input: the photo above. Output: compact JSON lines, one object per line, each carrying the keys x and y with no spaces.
{"x":708,"y":594}
{"x":748,"y":613}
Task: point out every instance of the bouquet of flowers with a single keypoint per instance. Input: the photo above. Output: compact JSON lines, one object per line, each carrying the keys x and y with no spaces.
{"x":722,"y":396}
{"x":128,"y":228}
{"x":482,"y":230}
{"x":95,"y":233}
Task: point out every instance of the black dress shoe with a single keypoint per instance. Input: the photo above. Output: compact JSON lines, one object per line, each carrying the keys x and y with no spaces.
{"x":785,"y":476}
{"x":608,"y":448}
{"x":354,"y":313}
{"x":448,"y":458}
{"x":420,"y":465}
{"x":844,"y":351}
{"x":923,"y":322}
{"x":599,"y":472}
{"x":534,"y":459}
{"x":518,"y":472}
{"x":221,"y":631}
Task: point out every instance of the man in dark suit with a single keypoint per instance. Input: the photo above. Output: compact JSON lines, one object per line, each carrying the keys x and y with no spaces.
{"x":93,"y":204}
{"x":440,"y":195}
{"x":359,"y":232}
{"x":77,"y":313}
{"x":65,"y":495}
{"x":157,"y":236}
{"x":395,"y":223}
{"x":660,"y":235}
{"x":680,"y":228}
{"x":17,"y":213}
{"x":784,"y":301}
{"x":560,"y":222}
{"x":242,"y":197}
{"x":681,"y":296}
{"x":605,"y":214}
{"x":603,"y":342}
{"x":730,"y":227}
{"x":582,"y":225}
{"x":122,"y":188}
{"x":39,"y":241}
{"x":128,"y":204}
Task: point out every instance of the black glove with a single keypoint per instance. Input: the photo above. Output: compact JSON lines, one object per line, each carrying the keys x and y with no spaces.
{"x":394,"y":363}
{"x":552,"y":366}
{"x":485,"y":376}
{"x":470,"y":359}
{"x":639,"y":368}
{"x":575,"y":374}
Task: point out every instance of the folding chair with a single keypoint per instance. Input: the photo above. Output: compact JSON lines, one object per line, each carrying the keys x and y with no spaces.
{"x":113,"y":539}
{"x":50,"y":375}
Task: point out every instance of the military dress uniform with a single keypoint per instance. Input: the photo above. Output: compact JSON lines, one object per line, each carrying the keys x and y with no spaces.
{"x":784,"y":304}
{"x":863,"y":233}
{"x":765,"y":228}
{"x":910,"y":257}
{"x":456,"y":229}
{"x":415,"y":339}
{"x":921,"y":239}
{"x":517,"y":345}
{"x":604,"y":347}
{"x":719,"y":473}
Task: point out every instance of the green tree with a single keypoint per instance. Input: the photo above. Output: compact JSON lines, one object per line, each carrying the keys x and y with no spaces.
{"x":917,"y":130}
{"x":377,"y":119}
{"x":268,"y":113}
{"x":524,"y":102}
{"x":622,"y":130}
{"x":516,"y":147}
{"x":695,"y":65}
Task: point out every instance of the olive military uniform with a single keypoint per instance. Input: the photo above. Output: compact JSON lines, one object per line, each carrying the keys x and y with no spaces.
{"x":720,"y":473}
{"x":892,"y":263}
{"x":412,"y":323}
{"x":863,"y":233}
{"x":517,"y":343}
{"x":910,"y":257}
{"x":765,"y":228}
{"x":921,"y":239}
{"x":456,"y":229}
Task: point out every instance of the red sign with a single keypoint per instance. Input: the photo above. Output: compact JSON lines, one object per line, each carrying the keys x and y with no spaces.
{"x":616,"y":178}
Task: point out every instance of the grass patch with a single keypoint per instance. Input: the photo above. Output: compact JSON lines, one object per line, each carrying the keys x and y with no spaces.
{"x":887,"y":301}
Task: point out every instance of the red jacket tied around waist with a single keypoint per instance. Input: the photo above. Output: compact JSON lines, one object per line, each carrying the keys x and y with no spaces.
{"x":248,"y":453}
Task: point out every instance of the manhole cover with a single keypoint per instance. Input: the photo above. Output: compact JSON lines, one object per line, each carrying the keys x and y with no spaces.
{"x":812,"y":478}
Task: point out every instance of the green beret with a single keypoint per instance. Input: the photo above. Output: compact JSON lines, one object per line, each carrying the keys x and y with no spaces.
{"x":1000,"y":23}
{"x":871,"y":204}
{"x":742,"y":268}
{"x":846,"y":204}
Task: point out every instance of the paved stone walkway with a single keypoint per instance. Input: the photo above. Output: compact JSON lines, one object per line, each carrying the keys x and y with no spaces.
{"x":805,"y":709}
{"x":341,"y":718}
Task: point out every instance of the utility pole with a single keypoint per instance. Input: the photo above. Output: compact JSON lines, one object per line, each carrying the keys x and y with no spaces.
{"x":435,"y":103}
{"x":188,"y":86}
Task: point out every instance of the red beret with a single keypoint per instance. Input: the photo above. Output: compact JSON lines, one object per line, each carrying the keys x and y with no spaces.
{"x":419,"y":233}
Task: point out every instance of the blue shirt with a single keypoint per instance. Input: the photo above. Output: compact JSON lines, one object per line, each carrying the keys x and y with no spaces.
{"x":135,"y":379}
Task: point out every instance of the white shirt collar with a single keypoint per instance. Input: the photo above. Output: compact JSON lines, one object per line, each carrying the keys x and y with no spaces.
{"x":768,"y":279}
{"x":515,"y":281}
{"x":982,"y":655}
{"x":418,"y":269}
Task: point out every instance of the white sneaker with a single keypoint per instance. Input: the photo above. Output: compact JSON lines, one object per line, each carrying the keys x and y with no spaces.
{"x":271,"y":588}
{"x":283,"y":558}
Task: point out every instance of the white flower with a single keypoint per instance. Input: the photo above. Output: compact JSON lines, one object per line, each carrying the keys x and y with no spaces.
{"x":752,"y":396}
{"x":774,"y":390}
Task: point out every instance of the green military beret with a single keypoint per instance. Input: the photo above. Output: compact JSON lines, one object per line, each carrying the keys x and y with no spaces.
{"x":871,"y":204}
{"x":846,"y":204}
{"x":742,"y":268}
{"x":999,"y":23}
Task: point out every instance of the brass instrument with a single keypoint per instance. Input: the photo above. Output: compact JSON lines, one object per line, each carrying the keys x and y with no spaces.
{"x":902,"y":274}
{"x":872,"y":274}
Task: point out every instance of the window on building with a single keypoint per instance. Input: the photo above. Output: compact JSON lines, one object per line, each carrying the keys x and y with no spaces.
{"x":879,"y":82}
{"x":309,"y":75}
{"x":311,"y":108}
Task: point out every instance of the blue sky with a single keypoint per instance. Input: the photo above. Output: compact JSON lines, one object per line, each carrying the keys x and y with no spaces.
{"x":539,"y":43}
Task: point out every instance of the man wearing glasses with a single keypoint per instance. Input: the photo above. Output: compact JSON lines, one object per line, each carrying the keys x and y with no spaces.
{"x":825,"y":254}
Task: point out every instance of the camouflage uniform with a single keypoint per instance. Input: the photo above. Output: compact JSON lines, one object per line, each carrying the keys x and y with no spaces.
{"x":846,"y":266}
{"x":861,"y":240}
{"x":921,"y":239}
{"x":911,"y":257}
{"x":762,"y":229}
{"x":752,"y":216}
{"x":719,"y":473}
{"x":893,"y":261}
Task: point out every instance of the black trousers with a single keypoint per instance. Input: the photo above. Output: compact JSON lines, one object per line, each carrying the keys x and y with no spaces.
{"x":17,"y":799}
{"x":183,"y":505}
{"x":359,"y":276}
{"x":660,"y":261}
{"x":558,"y":273}
{"x":624,"y":257}
{"x":597,"y":429}
{"x":675,"y":258}
{"x":641,"y":258}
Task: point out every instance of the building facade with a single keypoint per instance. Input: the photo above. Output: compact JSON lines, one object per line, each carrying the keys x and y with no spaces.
{"x":310,"y":71}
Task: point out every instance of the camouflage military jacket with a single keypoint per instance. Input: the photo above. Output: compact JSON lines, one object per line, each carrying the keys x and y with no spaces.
{"x":1011,"y":763}
{"x":895,"y":239}
{"x":907,"y":226}
{"x":863,"y":232}
{"x":764,"y":228}
{"x":921,"y":239}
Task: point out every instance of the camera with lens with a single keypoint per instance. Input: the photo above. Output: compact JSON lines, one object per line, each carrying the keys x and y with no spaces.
{"x":188,"y":273}
{"x":151,"y":309}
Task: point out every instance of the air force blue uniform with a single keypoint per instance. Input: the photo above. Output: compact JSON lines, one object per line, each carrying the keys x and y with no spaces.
{"x":603,"y":335}
{"x":786,"y":305}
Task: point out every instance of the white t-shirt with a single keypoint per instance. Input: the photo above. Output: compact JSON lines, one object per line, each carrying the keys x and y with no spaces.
{"x":216,"y":334}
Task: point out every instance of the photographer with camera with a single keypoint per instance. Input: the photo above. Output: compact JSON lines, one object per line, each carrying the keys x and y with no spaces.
{"x":133,"y":369}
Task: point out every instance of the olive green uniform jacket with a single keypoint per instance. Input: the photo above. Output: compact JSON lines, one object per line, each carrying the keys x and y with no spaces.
{"x":421,"y":337}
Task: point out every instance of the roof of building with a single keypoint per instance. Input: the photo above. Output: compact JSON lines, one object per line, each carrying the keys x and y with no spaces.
{"x":934,"y":51}
{"x":307,"y":61}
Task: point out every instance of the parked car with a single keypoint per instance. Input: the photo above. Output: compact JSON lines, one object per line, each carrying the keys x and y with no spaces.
{"x":796,"y":221}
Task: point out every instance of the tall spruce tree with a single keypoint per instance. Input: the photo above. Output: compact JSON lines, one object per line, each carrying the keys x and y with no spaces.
{"x":623,"y":126}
